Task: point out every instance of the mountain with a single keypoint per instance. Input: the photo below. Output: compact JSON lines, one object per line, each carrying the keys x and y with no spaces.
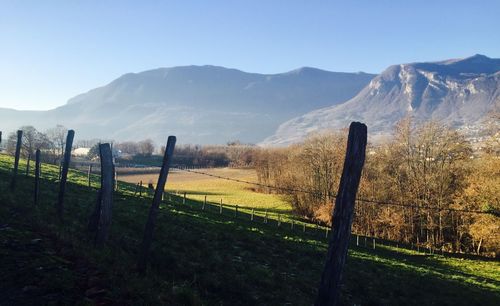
{"x":458,"y":92}
{"x":199,"y":104}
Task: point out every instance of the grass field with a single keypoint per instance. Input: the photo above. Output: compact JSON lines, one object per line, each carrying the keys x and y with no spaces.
{"x":202,"y":258}
{"x":196,"y":186}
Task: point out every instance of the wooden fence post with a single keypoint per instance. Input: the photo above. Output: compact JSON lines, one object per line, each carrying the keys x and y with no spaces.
{"x":291,"y":224}
{"x":153,"y":212}
{"x":184,"y":199}
{"x":236,"y":211}
{"x":204,"y":203}
{"x":37,"y":176}
{"x":252,"y":215}
{"x":220,"y":207}
{"x":155,"y":205}
{"x":105,"y":201}
{"x":64,"y":173}
{"x":373,"y":239}
{"x":16,"y":159}
{"x":140,"y":189}
{"x":89,"y":173}
{"x":329,"y":289}
{"x":28,"y":164}
{"x":265,"y":217}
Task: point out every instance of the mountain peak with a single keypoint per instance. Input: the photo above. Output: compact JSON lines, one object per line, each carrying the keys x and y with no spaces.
{"x":460,"y":92}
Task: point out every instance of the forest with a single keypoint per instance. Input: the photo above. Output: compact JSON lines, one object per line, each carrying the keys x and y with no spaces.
{"x":427,"y":185}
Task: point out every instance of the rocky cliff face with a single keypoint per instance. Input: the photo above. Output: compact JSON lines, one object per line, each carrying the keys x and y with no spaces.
{"x":456,"y":92}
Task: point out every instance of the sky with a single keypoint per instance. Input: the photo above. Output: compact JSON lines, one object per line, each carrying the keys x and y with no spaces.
{"x":51,"y":51}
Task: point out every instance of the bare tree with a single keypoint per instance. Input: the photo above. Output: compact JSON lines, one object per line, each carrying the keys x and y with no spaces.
{"x":32,"y":140}
{"x":57,"y":135}
{"x":146,"y":147}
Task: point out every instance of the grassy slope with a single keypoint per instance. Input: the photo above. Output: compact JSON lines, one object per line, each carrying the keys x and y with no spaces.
{"x":203,"y":258}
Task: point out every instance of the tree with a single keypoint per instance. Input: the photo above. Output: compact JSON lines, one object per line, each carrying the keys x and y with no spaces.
{"x":128,"y":147}
{"x":57,"y":135}
{"x":93,"y":153}
{"x":32,"y":140}
{"x":146,"y":147}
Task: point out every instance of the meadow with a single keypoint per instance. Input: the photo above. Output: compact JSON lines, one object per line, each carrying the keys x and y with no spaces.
{"x":201,"y":257}
{"x":196,"y":186}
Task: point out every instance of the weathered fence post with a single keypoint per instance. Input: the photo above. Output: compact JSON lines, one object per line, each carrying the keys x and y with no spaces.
{"x":153,"y":212}
{"x":64,"y":173}
{"x":37,"y":176}
{"x":16,"y":159}
{"x":101,"y":221}
{"x":357,"y":240}
{"x":279,"y":220}
{"x":292,"y":224}
{"x":329,"y":289}
{"x":236,"y":211}
{"x":28,"y":164}
{"x":204,"y":203}
{"x":265,"y":217}
{"x":89,"y":173}
{"x":140,"y":189}
{"x":220,"y":207}
{"x":304,"y":227}
{"x":184,"y":199}
{"x":373,"y":242}
{"x":252,"y":215}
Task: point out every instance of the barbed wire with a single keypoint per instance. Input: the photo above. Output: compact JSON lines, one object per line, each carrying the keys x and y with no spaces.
{"x":329,"y":195}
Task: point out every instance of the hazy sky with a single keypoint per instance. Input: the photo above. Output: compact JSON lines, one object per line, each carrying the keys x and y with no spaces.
{"x":51,"y":51}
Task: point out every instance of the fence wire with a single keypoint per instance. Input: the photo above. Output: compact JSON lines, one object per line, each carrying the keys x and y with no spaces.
{"x":332,"y":196}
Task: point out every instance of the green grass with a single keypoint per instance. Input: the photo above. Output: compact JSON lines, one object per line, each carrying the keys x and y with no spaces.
{"x":202,"y":258}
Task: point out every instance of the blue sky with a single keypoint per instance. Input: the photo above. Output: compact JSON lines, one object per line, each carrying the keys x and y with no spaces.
{"x":51,"y":51}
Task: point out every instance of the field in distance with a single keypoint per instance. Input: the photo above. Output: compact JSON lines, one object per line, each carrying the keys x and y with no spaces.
{"x":197,"y":186}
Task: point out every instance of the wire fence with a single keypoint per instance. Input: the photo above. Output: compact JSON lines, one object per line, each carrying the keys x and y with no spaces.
{"x":333,"y":196}
{"x":267,"y":217}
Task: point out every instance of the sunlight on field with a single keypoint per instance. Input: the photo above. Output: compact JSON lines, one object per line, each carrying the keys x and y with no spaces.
{"x":197,"y":186}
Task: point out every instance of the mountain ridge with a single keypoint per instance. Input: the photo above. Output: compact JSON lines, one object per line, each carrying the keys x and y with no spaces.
{"x":456,"y":92}
{"x":200,"y":104}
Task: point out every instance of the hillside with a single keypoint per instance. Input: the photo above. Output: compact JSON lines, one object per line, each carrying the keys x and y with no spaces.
{"x":199,"y":104}
{"x":458,"y":92}
{"x":203,"y":258}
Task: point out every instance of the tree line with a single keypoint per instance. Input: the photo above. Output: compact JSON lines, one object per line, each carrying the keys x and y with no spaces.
{"x":52,"y":142}
{"x":429,"y":171}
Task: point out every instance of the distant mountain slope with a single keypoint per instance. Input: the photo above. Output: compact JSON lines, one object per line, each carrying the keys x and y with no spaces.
{"x":458,"y":92}
{"x":199,"y":104}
